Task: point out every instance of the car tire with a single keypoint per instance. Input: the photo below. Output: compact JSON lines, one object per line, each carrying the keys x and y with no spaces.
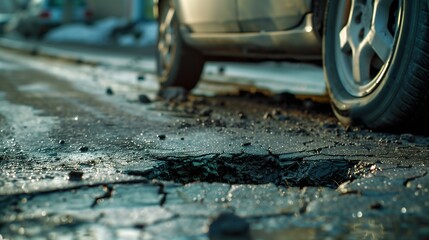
{"x":376,"y":62}
{"x":178,"y":65}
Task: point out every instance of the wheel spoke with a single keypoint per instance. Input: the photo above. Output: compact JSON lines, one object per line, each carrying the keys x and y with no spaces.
{"x":166,"y":36}
{"x":364,"y":42}
{"x":362,"y":62}
{"x":380,"y":38}
{"x":348,"y":36}
{"x":344,"y":40}
{"x":163,"y":49}
{"x":169,"y":38}
{"x":381,"y":43}
{"x":167,"y":21}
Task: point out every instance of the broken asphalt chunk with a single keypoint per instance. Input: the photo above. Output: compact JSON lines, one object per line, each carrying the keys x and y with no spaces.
{"x":268,"y":116}
{"x":161,"y":136}
{"x":241,"y":115}
{"x":144,"y":99}
{"x":84,"y":149}
{"x":141,"y":78}
{"x":75,"y":175}
{"x":109,"y":91}
{"x":221,"y":70}
{"x":229,"y":226}
{"x":206,"y":112}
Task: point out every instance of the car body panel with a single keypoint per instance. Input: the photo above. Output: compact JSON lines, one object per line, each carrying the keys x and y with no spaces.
{"x":257,"y":29}
{"x":301,"y":42}
{"x":217,"y":16}
{"x":271,"y":15}
{"x":208,"y":16}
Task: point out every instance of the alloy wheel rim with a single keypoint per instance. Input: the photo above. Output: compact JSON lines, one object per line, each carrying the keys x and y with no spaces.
{"x":365,"y":42}
{"x":166,"y":46}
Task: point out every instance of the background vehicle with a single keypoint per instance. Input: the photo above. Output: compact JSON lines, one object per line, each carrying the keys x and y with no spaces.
{"x":39,"y":16}
{"x":375,"y":52}
{"x":7,"y":8}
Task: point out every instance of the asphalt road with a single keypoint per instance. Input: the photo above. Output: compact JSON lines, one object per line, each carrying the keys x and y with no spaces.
{"x":89,"y":151}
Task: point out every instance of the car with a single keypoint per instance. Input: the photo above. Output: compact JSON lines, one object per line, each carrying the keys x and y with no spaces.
{"x":375,"y":53}
{"x":37,"y":17}
{"x":7,"y":8}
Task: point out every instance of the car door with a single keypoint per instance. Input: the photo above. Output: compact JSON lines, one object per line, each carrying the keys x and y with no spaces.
{"x":208,"y":16}
{"x":271,"y":15}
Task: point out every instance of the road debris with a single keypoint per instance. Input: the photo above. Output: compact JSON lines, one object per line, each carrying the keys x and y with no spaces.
{"x":109,"y":91}
{"x":75,"y":175}
{"x":144,"y":99}
{"x":228,"y":226}
{"x":84,"y":149}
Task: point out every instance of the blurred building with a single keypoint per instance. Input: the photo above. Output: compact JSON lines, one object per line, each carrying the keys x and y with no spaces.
{"x":133,"y":10}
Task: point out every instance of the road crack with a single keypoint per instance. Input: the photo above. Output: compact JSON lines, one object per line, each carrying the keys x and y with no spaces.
{"x":108,"y":194}
{"x":77,"y":187}
{"x":162,"y":192}
{"x":407,"y":182}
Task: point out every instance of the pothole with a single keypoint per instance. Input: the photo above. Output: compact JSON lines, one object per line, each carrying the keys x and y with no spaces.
{"x":249,"y":169}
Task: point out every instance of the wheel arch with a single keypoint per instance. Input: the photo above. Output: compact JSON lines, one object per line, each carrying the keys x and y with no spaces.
{"x":319,"y":11}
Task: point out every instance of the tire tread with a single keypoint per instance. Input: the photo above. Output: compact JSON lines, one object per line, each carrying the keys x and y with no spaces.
{"x":410,"y":109}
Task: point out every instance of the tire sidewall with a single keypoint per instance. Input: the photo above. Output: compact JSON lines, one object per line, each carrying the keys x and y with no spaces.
{"x":369,"y":110}
{"x":186,"y":62}
{"x":164,"y":76}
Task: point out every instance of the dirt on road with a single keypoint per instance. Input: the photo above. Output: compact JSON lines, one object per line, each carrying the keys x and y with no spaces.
{"x":94,"y":152}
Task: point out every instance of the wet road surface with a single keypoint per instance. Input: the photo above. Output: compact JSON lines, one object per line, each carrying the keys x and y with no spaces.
{"x":91,"y":152}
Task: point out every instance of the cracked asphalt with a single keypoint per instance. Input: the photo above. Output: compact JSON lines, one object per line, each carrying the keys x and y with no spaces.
{"x":92,"y":152}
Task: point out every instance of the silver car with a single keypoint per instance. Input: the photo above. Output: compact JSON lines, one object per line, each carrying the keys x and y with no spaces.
{"x":375,"y":53}
{"x":39,"y":16}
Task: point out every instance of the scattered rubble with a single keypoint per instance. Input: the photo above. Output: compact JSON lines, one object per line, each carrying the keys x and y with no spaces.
{"x":75,"y":176}
{"x":144,"y":99}
{"x":109,"y":91}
